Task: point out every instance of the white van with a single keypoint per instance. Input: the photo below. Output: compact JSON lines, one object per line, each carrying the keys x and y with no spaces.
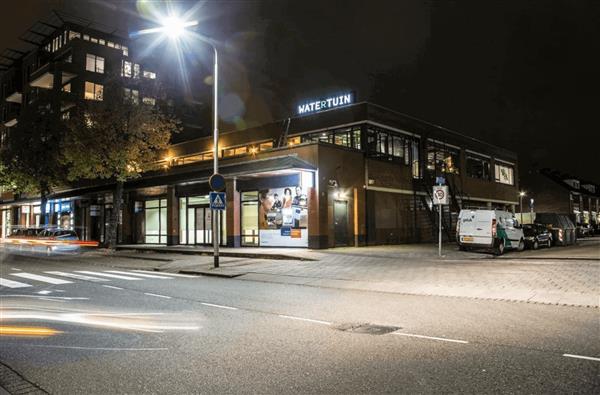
{"x":495,"y":229}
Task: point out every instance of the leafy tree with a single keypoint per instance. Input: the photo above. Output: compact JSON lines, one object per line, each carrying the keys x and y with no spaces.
{"x":30,"y":157}
{"x":115,"y":138}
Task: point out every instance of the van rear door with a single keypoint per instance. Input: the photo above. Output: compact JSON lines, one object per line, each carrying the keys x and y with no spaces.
{"x":476,"y":227}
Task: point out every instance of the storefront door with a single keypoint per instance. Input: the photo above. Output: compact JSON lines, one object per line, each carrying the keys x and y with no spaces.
{"x":203,"y":225}
{"x":340,"y":219}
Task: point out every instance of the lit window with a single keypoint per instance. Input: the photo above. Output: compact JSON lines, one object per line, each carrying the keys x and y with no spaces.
{"x":136,"y":70}
{"x":101,"y":42}
{"x":65,"y":116}
{"x":149,"y":100}
{"x":126,"y":69}
{"x":110,"y":44}
{"x":504,"y":174}
{"x":125,"y":50}
{"x":131,"y":95}
{"x":73,"y":35}
{"x":93,"y":91}
{"x":86,"y":37}
{"x":94,"y":63}
{"x":265,"y":146}
{"x":67,"y":88}
{"x":294,"y":140}
{"x":240,"y":150}
{"x":94,"y":40}
{"x":149,"y":74}
{"x":117,"y":46}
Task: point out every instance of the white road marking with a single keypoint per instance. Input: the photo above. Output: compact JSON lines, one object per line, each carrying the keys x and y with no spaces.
{"x":219,"y":306}
{"x":304,"y":319}
{"x":443,"y":339}
{"x":108,"y":275}
{"x":157,"y":295}
{"x":139,"y":274}
{"x":45,"y":292}
{"x":45,"y":297}
{"x":97,"y":348}
{"x":110,"y":286}
{"x":77,"y":276}
{"x":14,"y":268}
{"x":165,"y":273}
{"x":37,"y":277}
{"x":12,"y":284}
{"x":581,"y":357}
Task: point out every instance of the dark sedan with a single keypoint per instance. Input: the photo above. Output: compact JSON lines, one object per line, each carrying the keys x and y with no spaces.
{"x":536,"y":236}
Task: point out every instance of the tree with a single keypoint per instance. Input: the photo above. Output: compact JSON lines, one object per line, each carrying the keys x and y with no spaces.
{"x":30,"y":157}
{"x":115,"y":138}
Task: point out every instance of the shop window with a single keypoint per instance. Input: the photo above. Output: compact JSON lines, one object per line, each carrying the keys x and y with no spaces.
{"x":294,"y":140}
{"x":241,"y":150}
{"x":478,"y":167}
{"x":155,"y":216}
{"x":93,"y":91}
{"x":94,"y":63}
{"x":442,"y":159}
{"x":504,"y":174}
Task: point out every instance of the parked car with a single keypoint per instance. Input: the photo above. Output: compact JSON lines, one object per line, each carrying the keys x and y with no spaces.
{"x":562,"y":228}
{"x":490,"y":229}
{"x":536,"y":235}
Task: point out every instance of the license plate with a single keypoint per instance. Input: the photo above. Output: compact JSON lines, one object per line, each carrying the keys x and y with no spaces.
{"x":467,"y":238}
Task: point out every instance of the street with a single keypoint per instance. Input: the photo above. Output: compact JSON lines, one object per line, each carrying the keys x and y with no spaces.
{"x":73,"y":326}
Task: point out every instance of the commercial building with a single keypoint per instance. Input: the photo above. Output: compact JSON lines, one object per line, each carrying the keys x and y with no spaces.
{"x":339,"y":173}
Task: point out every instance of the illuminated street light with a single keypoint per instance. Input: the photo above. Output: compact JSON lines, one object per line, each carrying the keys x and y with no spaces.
{"x":174,"y":27}
{"x":521,"y":194}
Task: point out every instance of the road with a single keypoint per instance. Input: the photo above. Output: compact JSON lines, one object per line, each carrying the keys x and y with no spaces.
{"x":102,"y":330}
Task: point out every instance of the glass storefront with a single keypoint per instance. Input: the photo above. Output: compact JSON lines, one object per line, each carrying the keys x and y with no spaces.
{"x":195,"y":221}
{"x":155,"y":216}
{"x":249,"y":217}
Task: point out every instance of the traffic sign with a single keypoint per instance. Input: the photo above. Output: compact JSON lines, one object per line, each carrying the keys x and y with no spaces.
{"x":217,"y":182}
{"x":440,"y":194}
{"x":217,"y":201}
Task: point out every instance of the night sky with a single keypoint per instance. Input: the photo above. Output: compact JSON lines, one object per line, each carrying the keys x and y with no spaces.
{"x":518,"y":74}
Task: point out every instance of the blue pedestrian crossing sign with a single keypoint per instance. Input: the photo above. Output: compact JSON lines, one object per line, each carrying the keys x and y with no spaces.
{"x":217,"y":200}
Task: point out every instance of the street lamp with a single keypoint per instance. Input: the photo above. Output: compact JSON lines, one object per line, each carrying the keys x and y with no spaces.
{"x":174,"y":28}
{"x":521,"y":194}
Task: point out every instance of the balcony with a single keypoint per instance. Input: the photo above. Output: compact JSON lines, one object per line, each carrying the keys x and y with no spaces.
{"x":11,"y":122}
{"x":44,"y":76}
{"x":15,"y":97}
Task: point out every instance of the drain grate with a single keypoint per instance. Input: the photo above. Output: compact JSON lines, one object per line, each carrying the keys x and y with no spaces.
{"x":366,"y":328}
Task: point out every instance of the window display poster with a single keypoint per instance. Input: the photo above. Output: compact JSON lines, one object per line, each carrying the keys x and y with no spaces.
{"x":283,"y":217}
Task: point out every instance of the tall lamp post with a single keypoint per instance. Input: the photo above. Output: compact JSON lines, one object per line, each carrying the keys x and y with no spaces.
{"x":175,"y":27}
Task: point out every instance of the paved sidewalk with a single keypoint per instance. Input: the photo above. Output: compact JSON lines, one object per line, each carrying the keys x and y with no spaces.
{"x":563,"y":275}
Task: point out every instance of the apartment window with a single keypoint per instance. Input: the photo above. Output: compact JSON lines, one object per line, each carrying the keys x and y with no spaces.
{"x":86,"y":37}
{"x":73,"y":35}
{"x":110,"y":44}
{"x":149,"y":101}
{"x":94,"y":63}
{"x":93,"y":91}
{"x":125,"y":50}
{"x":136,"y":70}
{"x":101,"y":42}
{"x":442,"y":158}
{"x":126,"y":69}
{"x":94,"y":40}
{"x":149,"y":75}
{"x":67,"y":88}
{"x":294,"y":140}
{"x":504,"y":174}
{"x":478,"y":167}
{"x":131,"y":95}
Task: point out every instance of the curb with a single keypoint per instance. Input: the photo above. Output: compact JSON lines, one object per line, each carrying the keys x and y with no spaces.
{"x":221,"y":253}
{"x":211,"y":274}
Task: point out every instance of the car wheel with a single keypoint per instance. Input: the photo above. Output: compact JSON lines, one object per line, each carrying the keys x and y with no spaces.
{"x":549,"y":242}
{"x":536,"y":245}
{"x":521,"y":245}
{"x":500,"y":248}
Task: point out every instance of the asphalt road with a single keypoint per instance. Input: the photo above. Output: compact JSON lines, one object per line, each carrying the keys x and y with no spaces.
{"x":176,"y":334}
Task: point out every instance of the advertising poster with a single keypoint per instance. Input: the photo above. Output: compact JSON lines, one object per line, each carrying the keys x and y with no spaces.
{"x":283,"y":217}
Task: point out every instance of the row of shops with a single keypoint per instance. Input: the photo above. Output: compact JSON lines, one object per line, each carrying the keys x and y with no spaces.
{"x":358,"y":174}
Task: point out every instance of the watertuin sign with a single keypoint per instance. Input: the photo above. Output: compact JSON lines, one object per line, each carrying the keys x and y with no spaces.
{"x":326,"y":104}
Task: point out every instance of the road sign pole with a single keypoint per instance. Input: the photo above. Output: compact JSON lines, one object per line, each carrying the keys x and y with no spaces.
{"x":215,"y":235}
{"x":440,"y":230}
